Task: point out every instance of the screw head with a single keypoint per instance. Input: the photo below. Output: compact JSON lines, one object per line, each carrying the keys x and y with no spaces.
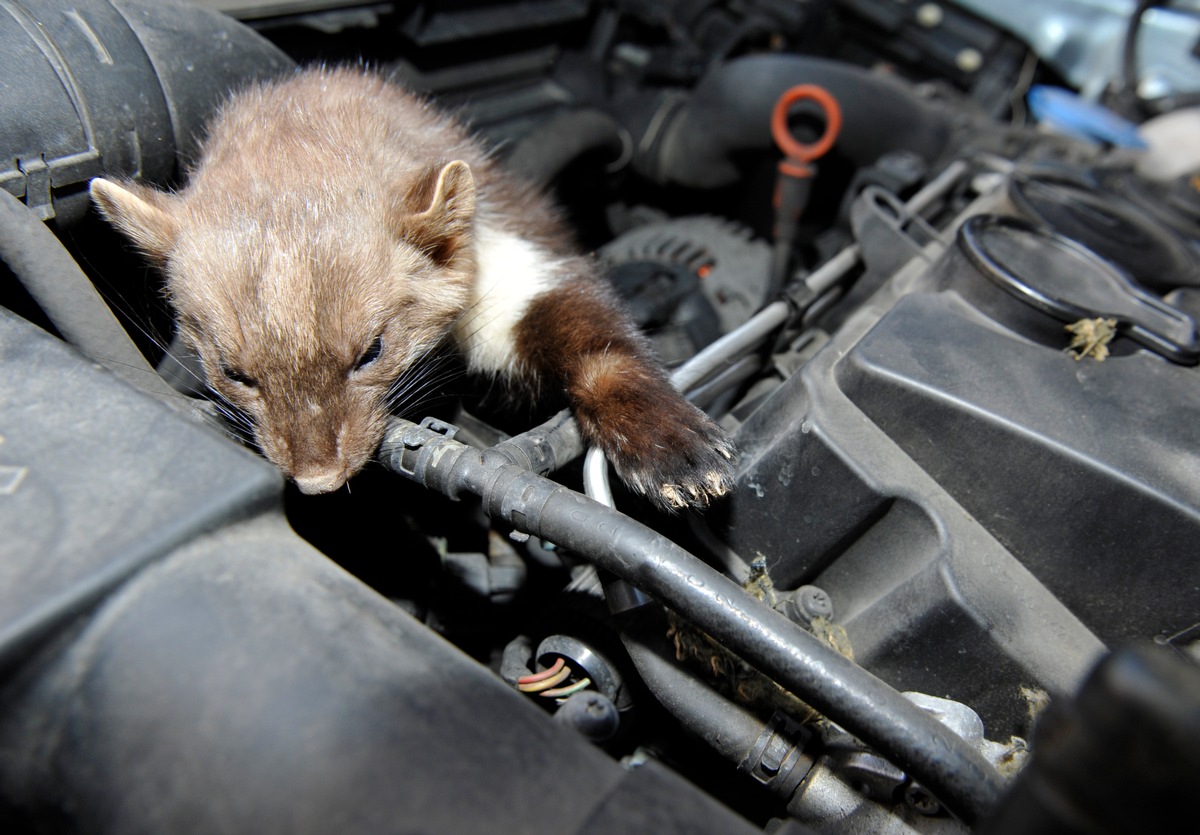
{"x":969,"y":60}
{"x":929,"y":15}
{"x":815,"y":602}
{"x":919,"y":798}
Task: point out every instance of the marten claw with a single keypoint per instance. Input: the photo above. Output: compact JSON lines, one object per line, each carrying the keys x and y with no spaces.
{"x":686,"y":472}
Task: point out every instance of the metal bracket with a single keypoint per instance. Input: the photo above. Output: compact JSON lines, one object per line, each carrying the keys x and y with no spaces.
{"x":888,"y":234}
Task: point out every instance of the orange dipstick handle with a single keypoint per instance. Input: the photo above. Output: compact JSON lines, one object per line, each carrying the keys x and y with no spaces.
{"x":799,"y":154}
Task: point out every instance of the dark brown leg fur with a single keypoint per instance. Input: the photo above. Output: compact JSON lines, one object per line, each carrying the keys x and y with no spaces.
{"x":576,"y":337}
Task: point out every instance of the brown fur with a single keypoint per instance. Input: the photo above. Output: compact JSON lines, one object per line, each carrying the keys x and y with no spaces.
{"x":659,"y":443}
{"x":326,"y":243}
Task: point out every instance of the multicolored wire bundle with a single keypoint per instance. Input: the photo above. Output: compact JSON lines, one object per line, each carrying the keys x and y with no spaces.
{"x":546,"y":683}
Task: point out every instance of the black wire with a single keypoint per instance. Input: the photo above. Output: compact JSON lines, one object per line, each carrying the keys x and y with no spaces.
{"x":1129,"y":80}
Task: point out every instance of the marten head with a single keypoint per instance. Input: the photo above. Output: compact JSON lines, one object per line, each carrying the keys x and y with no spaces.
{"x":307,"y":306}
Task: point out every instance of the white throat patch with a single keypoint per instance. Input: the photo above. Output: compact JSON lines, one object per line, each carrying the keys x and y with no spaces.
{"x":512,"y":272}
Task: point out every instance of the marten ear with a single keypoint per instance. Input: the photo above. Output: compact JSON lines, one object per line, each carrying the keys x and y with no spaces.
{"x":142,"y":213}
{"x":445,"y":201}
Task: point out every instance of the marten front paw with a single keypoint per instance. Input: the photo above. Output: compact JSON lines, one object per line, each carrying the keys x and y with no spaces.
{"x":677,"y":458}
{"x":660,"y":444}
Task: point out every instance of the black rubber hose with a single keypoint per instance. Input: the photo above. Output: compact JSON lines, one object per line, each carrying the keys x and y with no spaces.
{"x":834,"y":685}
{"x":727,"y":728}
{"x":546,"y":447}
{"x":773,"y":753}
{"x":730,"y":112}
{"x":42,"y":265}
{"x":548,"y":149}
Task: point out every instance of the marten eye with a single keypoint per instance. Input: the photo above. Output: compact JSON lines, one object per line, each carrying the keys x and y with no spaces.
{"x":371,"y":354}
{"x":239,"y":377}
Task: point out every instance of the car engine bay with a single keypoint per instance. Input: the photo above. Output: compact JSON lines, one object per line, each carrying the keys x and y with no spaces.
{"x":936,"y":273}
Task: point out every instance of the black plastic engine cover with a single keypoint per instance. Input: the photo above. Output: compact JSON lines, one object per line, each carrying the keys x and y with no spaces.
{"x":1088,"y":472}
{"x":987,"y":513}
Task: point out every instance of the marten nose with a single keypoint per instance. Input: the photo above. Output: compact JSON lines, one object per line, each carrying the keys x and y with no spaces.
{"x":321,"y":482}
{"x":314,"y":454}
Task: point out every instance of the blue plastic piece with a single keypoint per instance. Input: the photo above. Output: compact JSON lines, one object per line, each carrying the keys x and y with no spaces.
{"x":1067,"y":113}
